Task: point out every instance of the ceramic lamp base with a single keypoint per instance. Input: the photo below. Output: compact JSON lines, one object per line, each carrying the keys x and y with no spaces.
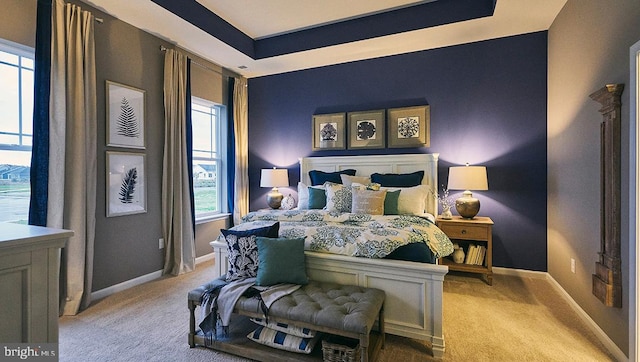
{"x":467,"y":206}
{"x":274,"y":198}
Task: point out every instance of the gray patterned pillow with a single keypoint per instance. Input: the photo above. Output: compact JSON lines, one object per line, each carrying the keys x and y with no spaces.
{"x":243,"y":250}
{"x":338,"y":197}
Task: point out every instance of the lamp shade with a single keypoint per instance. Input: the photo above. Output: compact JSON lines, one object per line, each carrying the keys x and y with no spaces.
{"x":274,"y":177}
{"x":468,"y":178}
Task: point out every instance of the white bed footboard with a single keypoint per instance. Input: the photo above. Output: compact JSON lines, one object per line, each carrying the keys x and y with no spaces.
{"x":414,"y":291}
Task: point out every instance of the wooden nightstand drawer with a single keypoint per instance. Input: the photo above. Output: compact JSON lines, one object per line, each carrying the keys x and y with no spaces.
{"x":470,"y":232}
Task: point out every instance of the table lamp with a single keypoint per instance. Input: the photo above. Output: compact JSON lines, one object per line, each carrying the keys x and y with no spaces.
{"x":467,"y":178}
{"x":274,"y":178}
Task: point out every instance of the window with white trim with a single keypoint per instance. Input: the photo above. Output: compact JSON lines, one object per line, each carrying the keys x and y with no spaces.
{"x":208,"y":152}
{"x":16,"y":130}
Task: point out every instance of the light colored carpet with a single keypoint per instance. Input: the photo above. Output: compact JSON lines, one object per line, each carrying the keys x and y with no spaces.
{"x":516,"y":319}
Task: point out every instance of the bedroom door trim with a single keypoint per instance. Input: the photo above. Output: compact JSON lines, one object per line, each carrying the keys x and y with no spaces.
{"x":634,"y":195}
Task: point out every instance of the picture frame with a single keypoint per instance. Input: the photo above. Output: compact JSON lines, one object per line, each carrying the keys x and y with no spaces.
{"x":125,"y":115}
{"x":409,"y":126}
{"x":367,"y":129}
{"x":328,"y":132}
{"x":126,"y":183}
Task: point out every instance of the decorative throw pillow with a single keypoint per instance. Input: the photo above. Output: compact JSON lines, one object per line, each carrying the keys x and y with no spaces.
{"x":338,"y":197}
{"x":243,"y":250}
{"x":347,"y":180}
{"x":398,"y":179}
{"x":320,"y":177}
{"x":391,"y":202}
{"x":303,"y":195}
{"x":317,"y":197}
{"x":281,"y":340}
{"x":412,"y":200}
{"x":368,"y":202}
{"x":281,"y":261}
{"x":286,"y":328}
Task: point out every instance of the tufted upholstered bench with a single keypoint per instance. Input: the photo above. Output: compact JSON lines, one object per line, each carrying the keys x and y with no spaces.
{"x":344,"y":310}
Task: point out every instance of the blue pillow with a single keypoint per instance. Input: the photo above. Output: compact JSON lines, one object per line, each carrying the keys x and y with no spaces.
{"x":317,"y":198}
{"x":320,"y":177}
{"x":391,"y":202}
{"x":243,"y":250}
{"x":281,"y":261}
{"x":398,"y":179}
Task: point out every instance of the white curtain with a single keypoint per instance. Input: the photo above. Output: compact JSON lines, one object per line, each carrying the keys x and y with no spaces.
{"x":72,"y":149}
{"x":241,"y":127}
{"x":177,"y":221}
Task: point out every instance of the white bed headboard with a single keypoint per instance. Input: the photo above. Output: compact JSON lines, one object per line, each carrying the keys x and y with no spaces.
{"x":366,"y":165}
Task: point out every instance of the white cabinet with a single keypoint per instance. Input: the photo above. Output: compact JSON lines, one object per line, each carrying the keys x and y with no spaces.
{"x":29,"y":277}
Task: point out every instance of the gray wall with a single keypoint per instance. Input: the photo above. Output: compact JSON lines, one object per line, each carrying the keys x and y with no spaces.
{"x":126,"y":247}
{"x":18,"y":21}
{"x":588,"y":47}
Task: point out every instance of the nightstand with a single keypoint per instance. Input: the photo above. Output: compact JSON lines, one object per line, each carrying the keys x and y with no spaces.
{"x":474,"y":236}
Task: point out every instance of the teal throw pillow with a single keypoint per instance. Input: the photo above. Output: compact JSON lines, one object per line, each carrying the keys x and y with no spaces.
{"x":281,"y":260}
{"x":391,"y":202}
{"x":317,"y":198}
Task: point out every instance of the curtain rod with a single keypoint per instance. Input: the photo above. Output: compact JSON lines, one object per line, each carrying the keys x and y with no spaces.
{"x":164,"y":49}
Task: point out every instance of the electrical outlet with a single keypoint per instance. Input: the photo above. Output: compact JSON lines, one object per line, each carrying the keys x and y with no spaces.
{"x":573,"y":265}
{"x":161,"y":243}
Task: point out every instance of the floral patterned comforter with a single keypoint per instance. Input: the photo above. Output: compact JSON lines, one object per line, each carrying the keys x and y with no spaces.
{"x":362,"y":235}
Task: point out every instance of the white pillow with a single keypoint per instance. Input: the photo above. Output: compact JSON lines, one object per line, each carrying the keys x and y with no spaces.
{"x":412,"y":200}
{"x":347,"y":180}
{"x":303,"y":195}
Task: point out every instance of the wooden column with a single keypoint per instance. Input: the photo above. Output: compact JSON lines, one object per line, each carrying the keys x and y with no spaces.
{"x":607,"y":281}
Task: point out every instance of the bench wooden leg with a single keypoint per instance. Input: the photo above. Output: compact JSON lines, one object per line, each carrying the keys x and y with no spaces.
{"x":381,"y":325}
{"x":364,"y":347}
{"x":192,"y":324}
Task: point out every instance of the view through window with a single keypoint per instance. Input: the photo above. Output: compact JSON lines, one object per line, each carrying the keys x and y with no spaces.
{"x":16,"y":113}
{"x":205,"y":117}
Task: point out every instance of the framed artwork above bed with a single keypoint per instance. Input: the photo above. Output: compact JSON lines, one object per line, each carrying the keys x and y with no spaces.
{"x":366,"y":129}
{"x":328,"y":132}
{"x":409,"y":127}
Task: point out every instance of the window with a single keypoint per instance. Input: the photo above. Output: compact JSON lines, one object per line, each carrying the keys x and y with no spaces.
{"x":16,"y":124}
{"x":208,"y":152}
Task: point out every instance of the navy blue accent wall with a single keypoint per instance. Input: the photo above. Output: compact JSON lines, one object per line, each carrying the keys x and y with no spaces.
{"x":488,"y":107}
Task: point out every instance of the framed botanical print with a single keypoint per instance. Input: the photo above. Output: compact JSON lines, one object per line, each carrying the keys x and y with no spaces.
{"x":328,"y":132}
{"x":126,"y":183}
{"x":125,"y":116}
{"x":366,"y":129}
{"x":409,"y":127}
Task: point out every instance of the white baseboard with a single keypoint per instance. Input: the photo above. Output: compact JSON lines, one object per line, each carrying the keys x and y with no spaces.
{"x":207,"y":257}
{"x":102,"y":293}
{"x":600,"y":334}
{"x":520,"y":273}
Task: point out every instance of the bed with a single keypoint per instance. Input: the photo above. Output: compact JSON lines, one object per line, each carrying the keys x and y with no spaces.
{"x":414,"y":290}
